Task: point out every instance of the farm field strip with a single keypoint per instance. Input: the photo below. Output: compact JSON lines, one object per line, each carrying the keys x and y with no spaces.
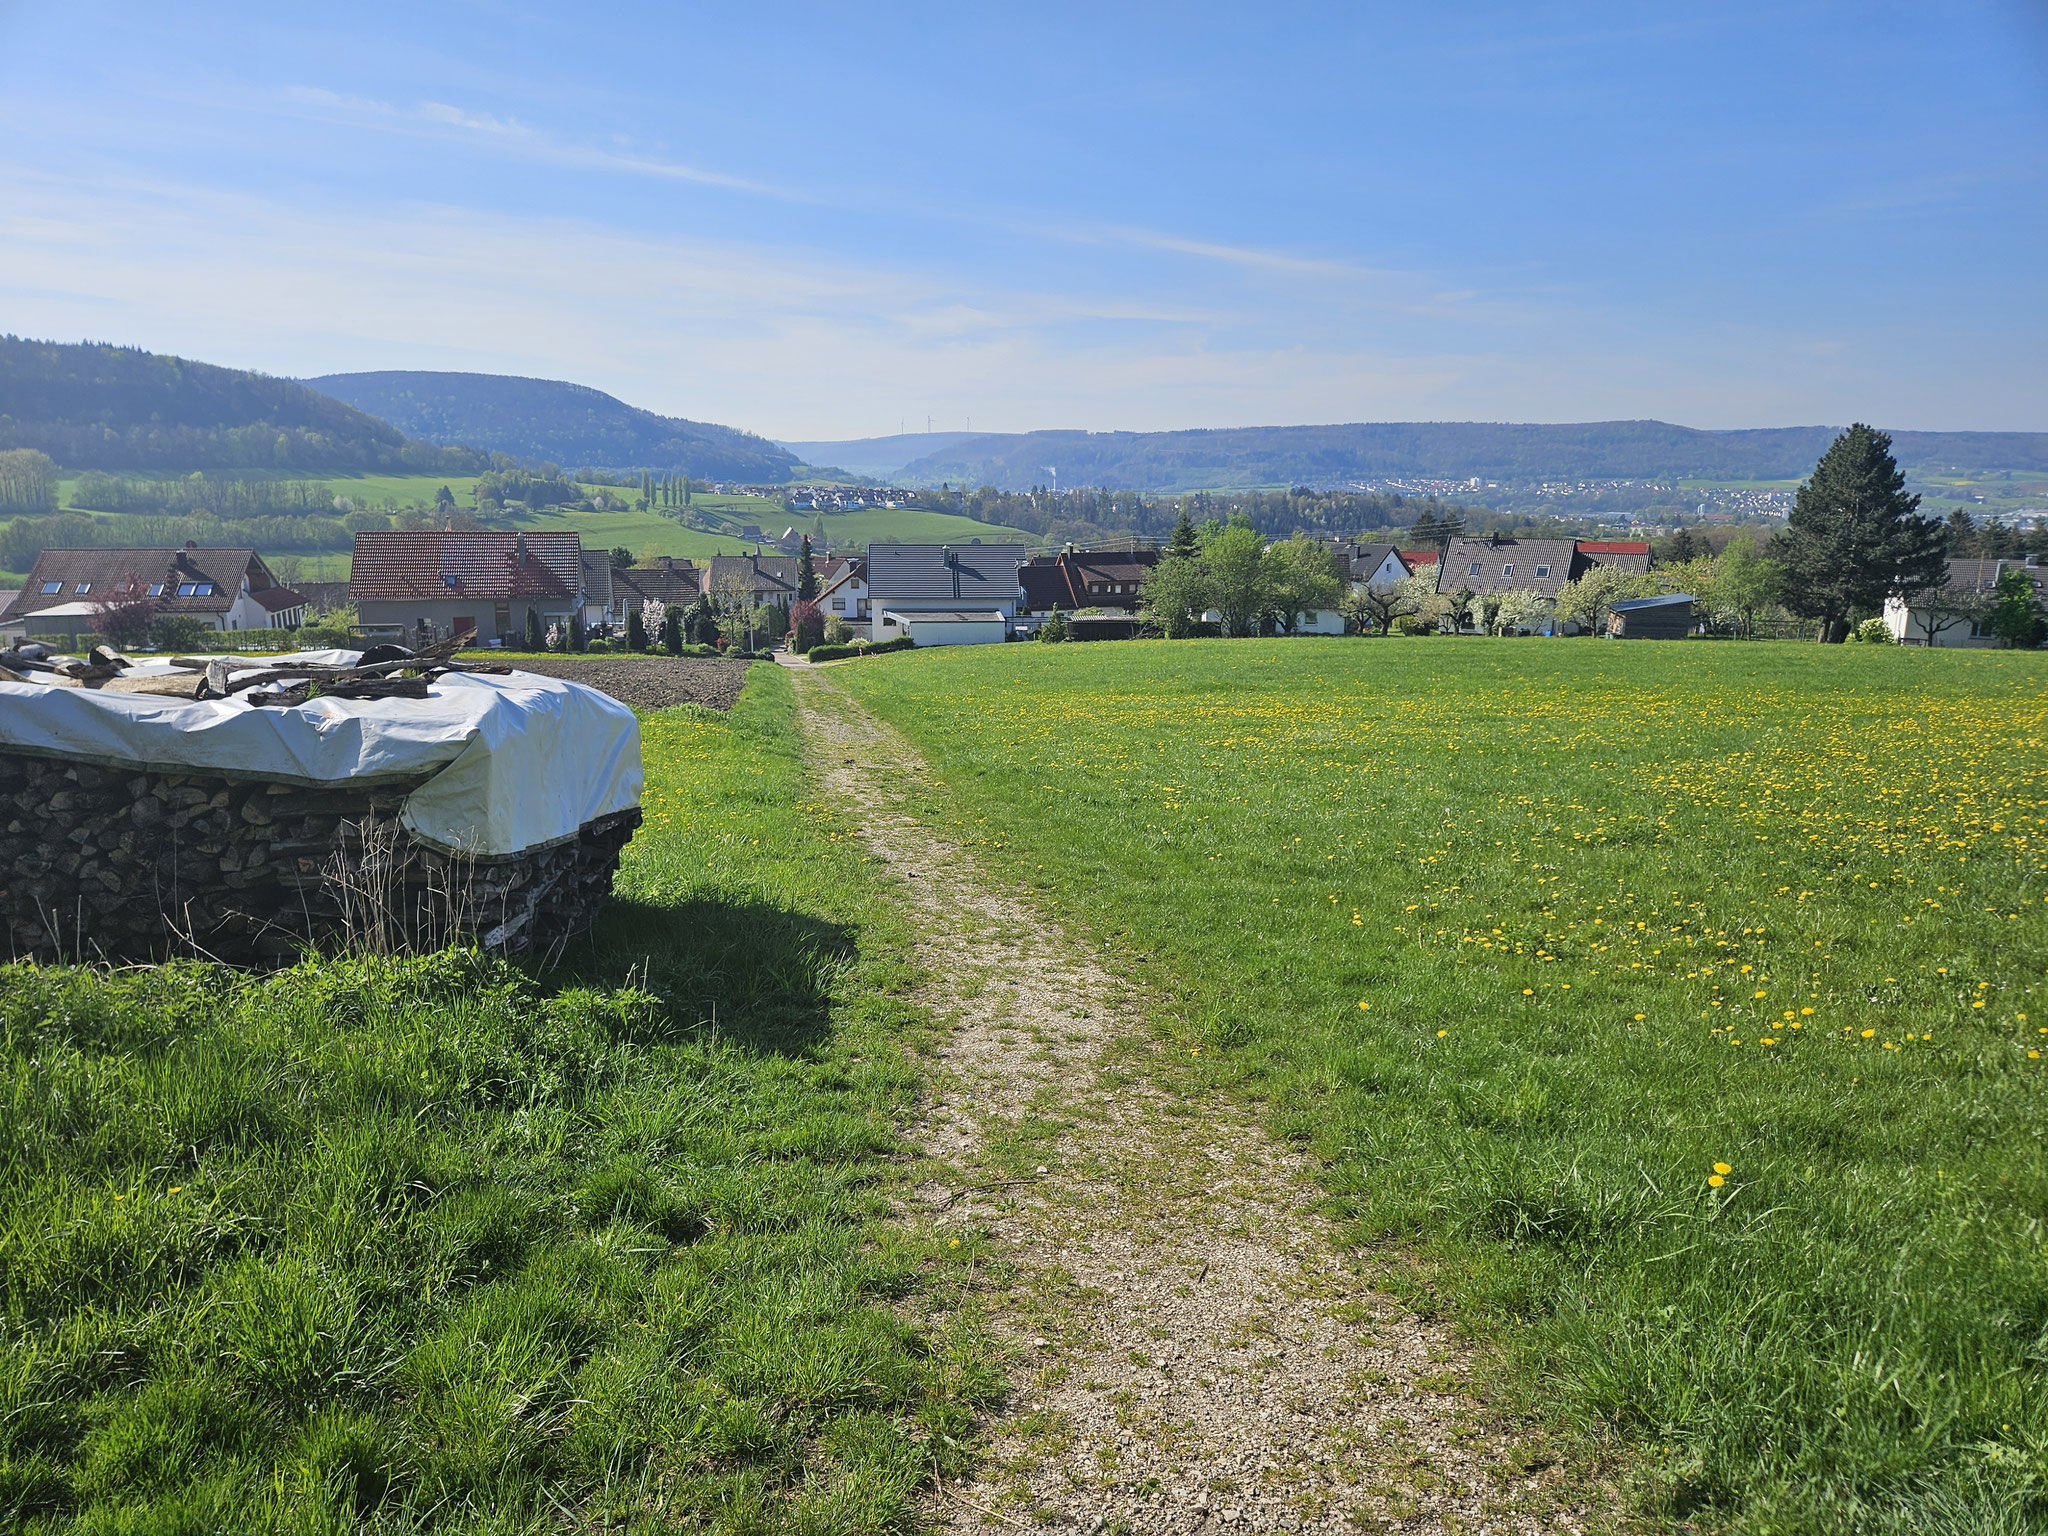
{"x":1684,"y":1000}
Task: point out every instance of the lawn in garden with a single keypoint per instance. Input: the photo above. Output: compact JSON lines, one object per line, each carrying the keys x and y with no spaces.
{"x":443,"y":1245}
{"x":1686,"y":1003}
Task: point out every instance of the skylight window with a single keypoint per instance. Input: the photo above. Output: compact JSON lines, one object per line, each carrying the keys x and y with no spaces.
{"x":1542,"y":571}
{"x":1507,"y":570}
{"x":81,"y":589}
{"x":52,"y":588}
{"x":1475,"y":569}
{"x":188,"y":589}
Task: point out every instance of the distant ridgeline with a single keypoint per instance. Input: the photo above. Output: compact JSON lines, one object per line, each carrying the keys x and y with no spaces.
{"x":93,"y":406}
{"x":542,"y":420}
{"x":1377,"y":451}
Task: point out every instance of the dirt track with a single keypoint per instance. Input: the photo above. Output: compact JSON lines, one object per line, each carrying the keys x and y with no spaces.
{"x":1191,"y":1351}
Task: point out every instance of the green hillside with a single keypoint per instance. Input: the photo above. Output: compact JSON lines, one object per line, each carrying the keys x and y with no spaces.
{"x":557,"y":422}
{"x":93,"y":406}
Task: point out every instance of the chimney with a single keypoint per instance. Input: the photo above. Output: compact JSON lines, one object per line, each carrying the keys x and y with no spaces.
{"x":519,"y":552}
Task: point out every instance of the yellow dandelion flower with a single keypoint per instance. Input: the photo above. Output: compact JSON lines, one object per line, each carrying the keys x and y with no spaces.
{"x":1363,"y":1003}
{"x":1716,"y":1180}
{"x":1441,"y":1033}
{"x":1723,"y":1168}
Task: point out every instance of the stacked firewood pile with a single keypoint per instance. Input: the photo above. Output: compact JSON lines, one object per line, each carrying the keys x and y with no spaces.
{"x":404,"y":675}
{"x":110,"y":862}
{"x":104,"y":863}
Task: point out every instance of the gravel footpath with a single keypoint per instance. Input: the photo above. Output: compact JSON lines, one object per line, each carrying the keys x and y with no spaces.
{"x":1192,"y":1352}
{"x":647,"y":682}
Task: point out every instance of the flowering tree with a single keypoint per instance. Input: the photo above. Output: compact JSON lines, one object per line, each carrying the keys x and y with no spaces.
{"x":1378,"y":607}
{"x":1588,"y":600}
{"x":1520,"y":610}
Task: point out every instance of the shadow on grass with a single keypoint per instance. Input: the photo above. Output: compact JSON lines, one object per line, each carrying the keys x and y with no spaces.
{"x":761,"y":975}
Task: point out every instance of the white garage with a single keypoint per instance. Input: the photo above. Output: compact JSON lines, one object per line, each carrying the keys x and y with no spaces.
{"x":944,"y":626}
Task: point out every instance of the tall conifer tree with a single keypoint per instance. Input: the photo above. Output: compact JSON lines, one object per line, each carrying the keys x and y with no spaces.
{"x":1855,"y":536}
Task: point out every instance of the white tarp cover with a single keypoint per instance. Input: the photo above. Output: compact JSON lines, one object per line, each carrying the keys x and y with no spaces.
{"x":523,"y":759}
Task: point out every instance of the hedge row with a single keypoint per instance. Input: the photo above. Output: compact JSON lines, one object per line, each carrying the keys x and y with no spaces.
{"x":841,"y":652}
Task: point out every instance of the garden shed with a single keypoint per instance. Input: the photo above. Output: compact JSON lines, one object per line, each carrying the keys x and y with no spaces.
{"x":1668,"y":617}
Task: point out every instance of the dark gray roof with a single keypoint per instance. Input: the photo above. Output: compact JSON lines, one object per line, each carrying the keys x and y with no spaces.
{"x":1506,"y":565}
{"x":1368,"y":558}
{"x":933,"y":572}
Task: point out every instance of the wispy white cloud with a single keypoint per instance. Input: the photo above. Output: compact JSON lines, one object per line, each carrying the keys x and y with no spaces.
{"x":441,"y":119}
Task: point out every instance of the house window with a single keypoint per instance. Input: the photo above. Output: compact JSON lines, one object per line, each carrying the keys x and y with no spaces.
{"x":156,"y":589}
{"x":188,"y":589}
{"x":52,"y":588}
{"x":82,"y":588}
{"x":1475,"y":569}
{"x":205,"y":589}
{"x":1542,"y":571}
{"x":1507,"y":570}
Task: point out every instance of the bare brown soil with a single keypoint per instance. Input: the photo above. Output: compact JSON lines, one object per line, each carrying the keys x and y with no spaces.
{"x":647,"y":682}
{"x":1192,"y":1353}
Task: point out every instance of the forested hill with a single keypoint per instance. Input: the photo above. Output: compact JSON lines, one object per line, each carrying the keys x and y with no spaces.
{"x":92,"y":406}
{"x":1333,"y":455}
{"x":568,"y":424}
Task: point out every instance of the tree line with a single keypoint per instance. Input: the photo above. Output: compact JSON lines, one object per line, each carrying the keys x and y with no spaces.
{"x":228,"y":497}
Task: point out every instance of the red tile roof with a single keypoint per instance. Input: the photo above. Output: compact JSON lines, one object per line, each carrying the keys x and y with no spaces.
{"x":487,"y":566}
{"x":1420,"y":556}
{"x":1612,"y":547}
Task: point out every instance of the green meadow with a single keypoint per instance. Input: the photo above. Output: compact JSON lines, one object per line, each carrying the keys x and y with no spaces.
{"x":647,"y":534}
{"x":1682,"y":1004}
{"x":442,"y":1245}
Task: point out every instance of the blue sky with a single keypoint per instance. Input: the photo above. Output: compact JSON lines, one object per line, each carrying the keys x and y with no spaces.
{"x":826,"y":221}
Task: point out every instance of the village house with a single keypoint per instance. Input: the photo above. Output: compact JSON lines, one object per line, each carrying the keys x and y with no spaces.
{"x":1376,"y":565}
{"x":944,"y":594}
{"x":422,"y":586}
{"x":1493,"y":567}
{"x":758,"y":578}
{"x":671,"y":581}
{"x":1958,"y":612}
{"x":222,"y":588}
{"x":1075,"y":578}
{"x":843,"y":590}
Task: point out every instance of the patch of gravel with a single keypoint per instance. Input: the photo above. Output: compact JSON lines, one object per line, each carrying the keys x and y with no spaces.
{"x":647,"y":682}
{"x":1192,"y":1352}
